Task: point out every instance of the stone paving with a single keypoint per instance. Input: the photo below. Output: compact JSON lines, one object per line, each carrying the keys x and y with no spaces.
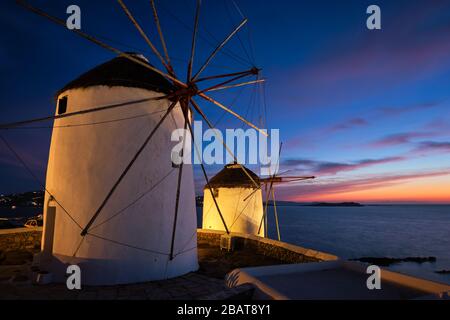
{"x":207,"y":283}
{"x":187,"y":287}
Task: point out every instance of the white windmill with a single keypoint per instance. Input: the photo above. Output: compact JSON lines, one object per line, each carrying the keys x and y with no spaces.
{"x":240,"y":199}
{"x":115,"y":204}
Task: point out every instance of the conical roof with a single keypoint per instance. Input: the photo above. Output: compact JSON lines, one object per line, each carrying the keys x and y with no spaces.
{"x":232,"y":176}
{"x":121,"y":71}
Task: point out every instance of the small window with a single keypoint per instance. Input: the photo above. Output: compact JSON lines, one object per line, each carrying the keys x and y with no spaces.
{"x":216,"y":192}
{"x":62,"y":105}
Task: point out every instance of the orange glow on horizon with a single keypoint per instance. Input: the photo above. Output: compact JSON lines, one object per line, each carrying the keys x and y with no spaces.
{"x":428,"y":190}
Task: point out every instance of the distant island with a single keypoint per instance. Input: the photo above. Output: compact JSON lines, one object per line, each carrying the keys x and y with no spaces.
{"x":199,"y":202}
{"x":317,"y":204}
{"x":338,"y":204}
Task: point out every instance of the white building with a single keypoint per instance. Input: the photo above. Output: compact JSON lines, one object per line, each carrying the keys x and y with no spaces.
{"x":130,"y":240}
{"x":239,"y":201}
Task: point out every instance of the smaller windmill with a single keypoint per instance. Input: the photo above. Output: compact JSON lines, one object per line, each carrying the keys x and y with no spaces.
{"x":239,"y":194}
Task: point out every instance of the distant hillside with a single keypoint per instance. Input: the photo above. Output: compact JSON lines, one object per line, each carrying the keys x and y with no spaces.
{"x":317,"y":204}
{"x":337,"y":204}
{"x":26,"y":199}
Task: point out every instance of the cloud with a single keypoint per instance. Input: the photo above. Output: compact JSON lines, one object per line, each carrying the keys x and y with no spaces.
{"x":321,"y":168}
{"x":395,"y":111}
{"x":416,"y":46}
{"x":349,"y":124}
{"x":432,"y":146}
{"x":322,"y":188}
{"x":400,"y":138}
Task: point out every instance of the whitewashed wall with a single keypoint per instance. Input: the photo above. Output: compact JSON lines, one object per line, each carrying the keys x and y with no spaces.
{"x":85,"y":162}
{"x":239,"y":215}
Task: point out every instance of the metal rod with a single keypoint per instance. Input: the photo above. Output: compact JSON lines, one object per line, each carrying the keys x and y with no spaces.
{"x":70,"y":114}
{"x":194,"y":38}
{"x":207,"y":98}
{"x":161,"y":37}
{"x":253,"y":70}
{"x":141,"y":31}
{"x":177,"y":197}
{"x":100,"y":43}
{"x":276,"y":214}
{"x":133,"y":160}
{"x":217,"y":49}
{"x":224,"y":82}
{"x":235,"y":85}
{"x":279,"y":179}
{"x":263,"y":218}
{"x":207,"y":180}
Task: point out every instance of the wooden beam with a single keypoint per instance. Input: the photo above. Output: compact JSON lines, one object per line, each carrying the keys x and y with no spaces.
{"x":76,"y":113}
{"x":161,"y":37}
{"x":237,"y":85}
{"x":203,"y":115}
{"x":177,"y":196}
{"x":128,"y":167}
{"x":207,"y":179}
{"x":100,"y":43}
{"x":218,"y":48}
{"x":194,"y":39}
{"x":142,"y":33}
{"x":220,"y":105}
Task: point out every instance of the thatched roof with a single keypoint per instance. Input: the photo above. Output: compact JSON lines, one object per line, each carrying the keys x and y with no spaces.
{"x":123,"y":72}
{"x":232,"y":176}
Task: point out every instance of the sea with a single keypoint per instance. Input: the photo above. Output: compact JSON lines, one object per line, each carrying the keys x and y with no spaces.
{"x":396,"y":231}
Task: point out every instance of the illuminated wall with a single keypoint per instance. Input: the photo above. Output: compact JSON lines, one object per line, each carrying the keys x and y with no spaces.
{"x":84,"y":163}
{"x":239,"y":215}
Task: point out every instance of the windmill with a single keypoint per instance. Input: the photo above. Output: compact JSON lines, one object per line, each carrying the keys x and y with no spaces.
{"x":100,"y":256}
{"x":241,"y":201}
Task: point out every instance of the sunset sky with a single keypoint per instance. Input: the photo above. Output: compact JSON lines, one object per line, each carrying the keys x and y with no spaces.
{"x":367,"y":112}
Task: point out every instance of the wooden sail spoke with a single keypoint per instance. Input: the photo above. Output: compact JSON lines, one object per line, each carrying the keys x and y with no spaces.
{"x":218,"y":48}
{"x":100,"y":43}
{"x":129,"y":166}
{"x":142,"y":33}
{"x":254,"y":71}
{"x":76,"y":113}
{"x":206,"y":177}
{"x":177,"y":196}
{"x":203,"y":115}
{"x":194,"y":39}
{"x":234,"y":85}
{"x":218,"y":85}
{"x":161,"y":37}
{"x":220,"y":105}
{"x":276,"y":214}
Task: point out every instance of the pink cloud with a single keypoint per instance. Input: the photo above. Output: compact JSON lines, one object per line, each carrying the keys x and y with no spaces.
{"x":401,"y":138}
{"x":322,"y":187}
{"x":321,"y":168}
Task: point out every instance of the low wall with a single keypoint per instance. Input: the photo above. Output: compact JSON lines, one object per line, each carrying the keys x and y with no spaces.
{"x":30,"y":238}
{"x":282,"y":251}
{"x":20,"y":238}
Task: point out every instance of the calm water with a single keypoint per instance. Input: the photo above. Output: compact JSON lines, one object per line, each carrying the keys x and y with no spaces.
{"x":353,"y":232}
{"x":372,"y":231}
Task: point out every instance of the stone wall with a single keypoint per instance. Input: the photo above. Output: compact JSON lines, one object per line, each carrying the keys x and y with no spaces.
{"x":20,"y":239}
{"x":26,"y":238}
{"x":279,"y":250}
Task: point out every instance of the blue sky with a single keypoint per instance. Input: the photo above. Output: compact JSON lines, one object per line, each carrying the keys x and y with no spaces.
{"x":365,"y":111}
